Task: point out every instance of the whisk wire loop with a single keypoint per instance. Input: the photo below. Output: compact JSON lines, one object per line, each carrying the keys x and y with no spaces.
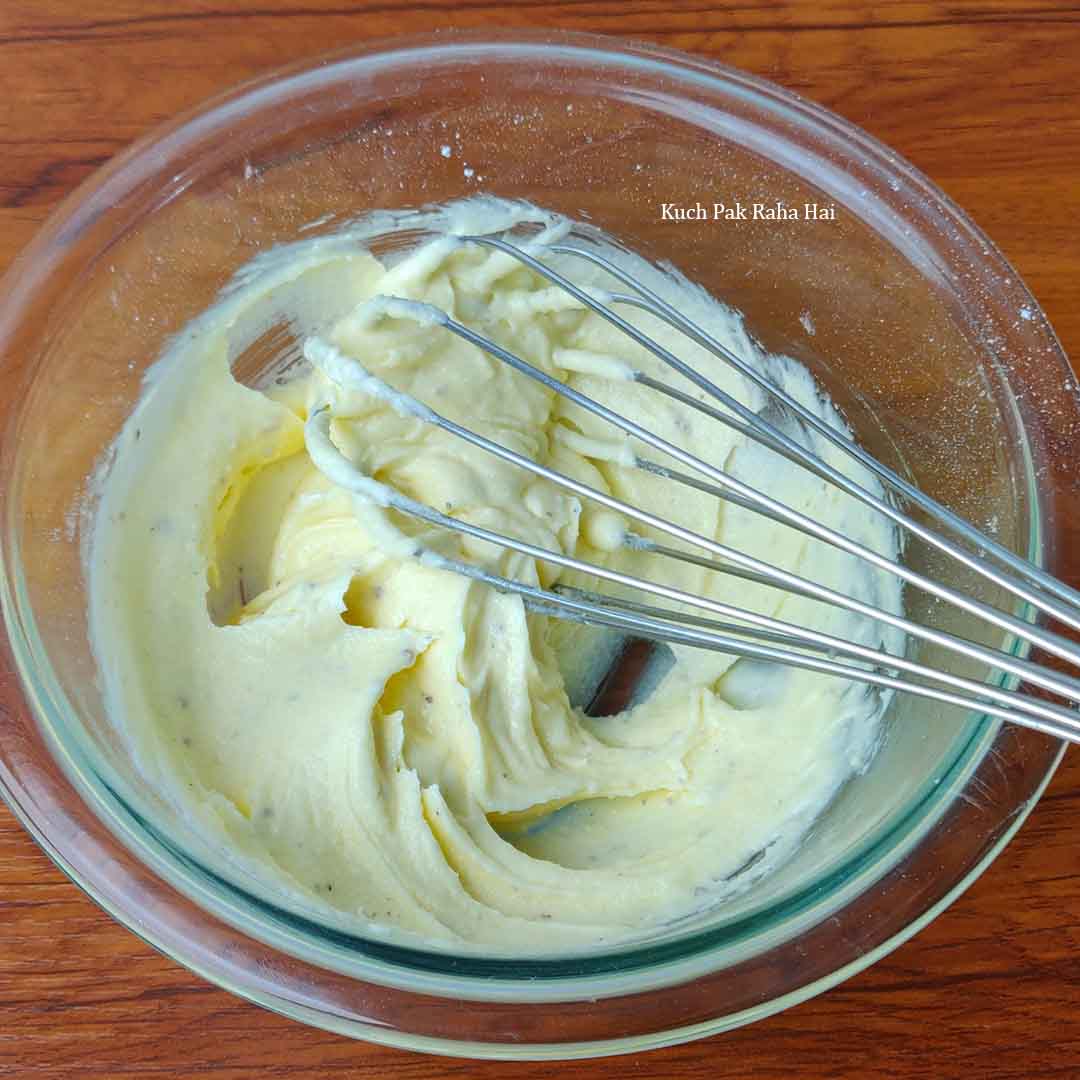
{"x":728,"y":628}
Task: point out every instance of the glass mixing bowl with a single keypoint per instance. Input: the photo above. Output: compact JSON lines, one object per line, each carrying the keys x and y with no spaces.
{"x":924,"y":336}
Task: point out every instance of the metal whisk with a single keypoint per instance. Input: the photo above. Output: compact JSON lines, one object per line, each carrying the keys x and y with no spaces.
{"x":721,"y":626}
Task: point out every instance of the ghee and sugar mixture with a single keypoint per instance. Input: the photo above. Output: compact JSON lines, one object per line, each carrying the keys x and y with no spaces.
{"x":391,"y":741}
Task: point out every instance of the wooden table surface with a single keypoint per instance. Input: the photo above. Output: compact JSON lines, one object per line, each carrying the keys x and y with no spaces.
{"x":985,"y":98}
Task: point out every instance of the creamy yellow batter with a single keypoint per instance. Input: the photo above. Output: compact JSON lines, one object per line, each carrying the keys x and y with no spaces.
{"x":389,"y":740}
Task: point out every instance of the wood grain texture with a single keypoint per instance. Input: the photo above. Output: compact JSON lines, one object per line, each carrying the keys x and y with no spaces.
{"x":984,"y":98}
